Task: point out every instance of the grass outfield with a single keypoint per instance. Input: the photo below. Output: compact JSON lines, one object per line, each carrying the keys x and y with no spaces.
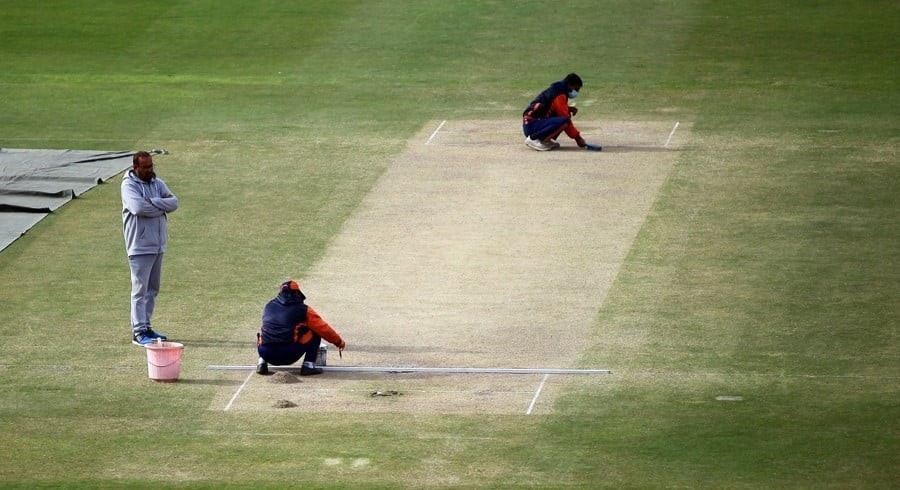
{"x":767,"y":268}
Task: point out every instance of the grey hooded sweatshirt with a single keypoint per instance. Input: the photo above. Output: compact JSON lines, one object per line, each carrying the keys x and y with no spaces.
{"x":144,"y":209}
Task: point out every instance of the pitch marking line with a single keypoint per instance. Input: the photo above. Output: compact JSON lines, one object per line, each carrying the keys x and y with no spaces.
{"x":436,"y":131}
{"x":670,"y":135}
{"x":238,"y":392}
{"x":537,"y":394}
{"x":400,"y":370}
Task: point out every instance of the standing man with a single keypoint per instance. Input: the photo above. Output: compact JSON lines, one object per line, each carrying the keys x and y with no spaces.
{"x":549,"y":114}
{"x":146,"y":200}
{"x":291,"y":330}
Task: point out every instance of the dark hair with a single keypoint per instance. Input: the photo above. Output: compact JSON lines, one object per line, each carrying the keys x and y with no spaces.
{"x":573,"y":80}
{"x":137,"y":157}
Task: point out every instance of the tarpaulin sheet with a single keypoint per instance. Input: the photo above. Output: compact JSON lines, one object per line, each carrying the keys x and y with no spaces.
{"x":34,"y":183}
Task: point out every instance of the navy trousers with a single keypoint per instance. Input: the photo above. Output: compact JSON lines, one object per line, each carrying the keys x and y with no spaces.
{"x":539,"y":129}
{"x":285,"y":354}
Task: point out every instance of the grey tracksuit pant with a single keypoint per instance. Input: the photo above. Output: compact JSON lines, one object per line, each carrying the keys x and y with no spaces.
{"x":146,"y":274}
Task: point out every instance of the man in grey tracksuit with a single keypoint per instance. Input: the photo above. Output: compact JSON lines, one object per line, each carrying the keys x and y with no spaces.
{"x":145,"y":202}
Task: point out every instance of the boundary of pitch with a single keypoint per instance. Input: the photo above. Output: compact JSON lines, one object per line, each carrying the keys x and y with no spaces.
{"x":404,"y":370}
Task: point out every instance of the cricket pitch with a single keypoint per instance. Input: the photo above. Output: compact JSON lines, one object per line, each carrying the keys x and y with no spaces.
{"x":472,"y":250}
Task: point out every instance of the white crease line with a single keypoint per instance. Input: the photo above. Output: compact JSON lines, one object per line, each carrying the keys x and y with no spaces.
{"x":670,"y":135}
{"x":238,"y":392}
{"x":536,"y":395}
{"x":436,"y":131}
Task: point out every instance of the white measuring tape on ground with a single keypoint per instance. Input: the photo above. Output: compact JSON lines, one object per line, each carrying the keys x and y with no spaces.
{"x":434,"y":370}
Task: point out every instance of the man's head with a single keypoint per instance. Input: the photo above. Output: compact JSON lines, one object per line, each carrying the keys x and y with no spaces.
{"x":573,"y":83}
{"x":142,"y":164}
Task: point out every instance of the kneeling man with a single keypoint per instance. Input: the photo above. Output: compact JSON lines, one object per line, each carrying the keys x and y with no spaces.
{"x":291,"y":330}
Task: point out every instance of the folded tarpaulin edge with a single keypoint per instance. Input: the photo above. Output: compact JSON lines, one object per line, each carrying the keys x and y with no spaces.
{"x":14,"y":208}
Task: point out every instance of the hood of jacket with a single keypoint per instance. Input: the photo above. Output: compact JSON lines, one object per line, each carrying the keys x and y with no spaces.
{"x":289,"y":293}
{"x":291,"y":297}
{"x":130,"y":175}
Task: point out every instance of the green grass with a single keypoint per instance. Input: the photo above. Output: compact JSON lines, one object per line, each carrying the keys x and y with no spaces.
{"x":767,"y":269}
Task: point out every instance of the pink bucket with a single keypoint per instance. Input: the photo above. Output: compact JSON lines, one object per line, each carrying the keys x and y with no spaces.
{"x":164,"y":361}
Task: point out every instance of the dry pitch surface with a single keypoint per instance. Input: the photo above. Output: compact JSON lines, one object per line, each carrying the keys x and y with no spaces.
{"x":474,"y":251}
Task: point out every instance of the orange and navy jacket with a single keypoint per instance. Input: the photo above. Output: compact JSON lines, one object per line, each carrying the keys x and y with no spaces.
{"x":286,"y":319}
{"x":552,"y":102}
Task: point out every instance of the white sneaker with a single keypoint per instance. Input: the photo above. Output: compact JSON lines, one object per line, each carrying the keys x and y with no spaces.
{"x":537,"y":144}
{"x":552,"y":144}
{"x":262,"y":367}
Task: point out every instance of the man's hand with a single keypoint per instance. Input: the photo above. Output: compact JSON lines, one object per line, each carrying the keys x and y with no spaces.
{"x":573,"y":110}
{"x":580,"y":141}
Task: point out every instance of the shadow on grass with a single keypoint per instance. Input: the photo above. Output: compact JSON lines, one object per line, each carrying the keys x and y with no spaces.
{"x":206,"y":343}
{"x":210,"y":382}
{"x":404,"y":349}
{"x":624,"y":149}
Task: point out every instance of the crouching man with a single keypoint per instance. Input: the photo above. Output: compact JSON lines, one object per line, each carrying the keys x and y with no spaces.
{"x":291,"y":330}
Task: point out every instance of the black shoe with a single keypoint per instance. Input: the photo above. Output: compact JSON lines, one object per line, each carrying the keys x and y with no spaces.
{"x":262,"y":367}
{"x":310,"y":371}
